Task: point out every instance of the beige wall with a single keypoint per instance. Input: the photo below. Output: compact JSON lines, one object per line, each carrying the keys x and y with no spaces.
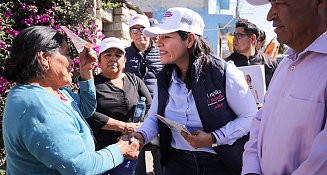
{"x":114,"y":22}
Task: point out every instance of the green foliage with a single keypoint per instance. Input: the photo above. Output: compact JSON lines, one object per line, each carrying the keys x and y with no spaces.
{"x":107,"y":4}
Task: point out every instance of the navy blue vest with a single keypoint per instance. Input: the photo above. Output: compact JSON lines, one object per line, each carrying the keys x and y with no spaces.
{"x":208,"y":87}
{"x":149,"y":62}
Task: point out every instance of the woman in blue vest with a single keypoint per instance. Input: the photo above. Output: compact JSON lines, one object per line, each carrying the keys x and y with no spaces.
{"x":208,"y":96}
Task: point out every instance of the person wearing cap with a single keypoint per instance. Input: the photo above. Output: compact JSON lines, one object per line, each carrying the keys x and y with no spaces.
{"x":143,"y":59}
{"x":117,"y":95}
{"x":289,"y":134}
{"x":192,"y":91}
{"x":245,"y":53}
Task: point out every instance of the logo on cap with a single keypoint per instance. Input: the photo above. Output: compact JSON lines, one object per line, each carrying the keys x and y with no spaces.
{"x":109,"y":41}
{"x":168,"y":14}
{"x":136,"y":17}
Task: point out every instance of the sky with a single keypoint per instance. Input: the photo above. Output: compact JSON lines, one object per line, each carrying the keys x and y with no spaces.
{"x":256,"y":15}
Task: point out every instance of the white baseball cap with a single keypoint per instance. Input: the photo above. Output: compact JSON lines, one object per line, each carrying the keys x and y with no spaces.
{"x":112,"y":42}
{"x":175,"y":19}
{"x":139,"y":19}
{"x":257,"y":2}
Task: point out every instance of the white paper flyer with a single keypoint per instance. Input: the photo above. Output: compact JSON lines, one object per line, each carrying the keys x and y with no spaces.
{"x":78,"y":42}
{"x":172,"y":124}
{"x":255,"y":77}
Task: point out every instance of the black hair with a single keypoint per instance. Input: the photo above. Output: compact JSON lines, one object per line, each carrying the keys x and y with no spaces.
{"x":23,"y":63}
{"x":200,"y":50}
{"x":262,"y":35}
{"x":248,"y":27}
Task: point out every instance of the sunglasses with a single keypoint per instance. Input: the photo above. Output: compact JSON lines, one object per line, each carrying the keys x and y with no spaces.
{"x":136,"y":30}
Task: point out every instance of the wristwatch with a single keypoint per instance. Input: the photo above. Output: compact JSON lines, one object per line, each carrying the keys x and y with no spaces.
{"x":214,"y":140}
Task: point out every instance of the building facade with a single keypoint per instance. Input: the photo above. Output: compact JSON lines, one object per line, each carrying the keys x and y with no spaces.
{"x":216,"y":14}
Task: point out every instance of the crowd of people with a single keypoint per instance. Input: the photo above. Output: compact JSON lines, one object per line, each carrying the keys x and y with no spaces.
{"x":218,"y":127}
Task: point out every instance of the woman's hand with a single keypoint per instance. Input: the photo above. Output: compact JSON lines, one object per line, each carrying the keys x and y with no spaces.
{"x":198,"y":139}
{"x":129,"y":147}
{"x":87,"y":60}
{"x":130,"y":127}
{"x":137,"y":137}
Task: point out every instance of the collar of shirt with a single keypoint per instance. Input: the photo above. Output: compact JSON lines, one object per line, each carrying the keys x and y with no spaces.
{"x":252,"y":58}
{"x":175,"y":79}
{"x":318,"y":46}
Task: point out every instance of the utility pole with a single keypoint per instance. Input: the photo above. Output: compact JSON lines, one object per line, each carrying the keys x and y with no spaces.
{"x":237,"y":10}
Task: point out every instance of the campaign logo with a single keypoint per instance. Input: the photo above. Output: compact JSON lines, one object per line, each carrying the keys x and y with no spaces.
{"x":168,"y":14}
{"x":136,"y":17}
{"x":216,"y":99}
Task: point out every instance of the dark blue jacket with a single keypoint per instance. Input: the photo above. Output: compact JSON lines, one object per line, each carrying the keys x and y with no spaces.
{"x":207,"y":83}
{"x":145,"y":66}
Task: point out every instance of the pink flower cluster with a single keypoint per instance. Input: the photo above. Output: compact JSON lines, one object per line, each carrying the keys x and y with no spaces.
{"x":12,"y":32}
{"x":3,"y":85}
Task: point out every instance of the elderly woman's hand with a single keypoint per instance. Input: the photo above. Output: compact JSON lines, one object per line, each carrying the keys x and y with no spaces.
{"x":129,"y":147}
{"x":87,"y":60}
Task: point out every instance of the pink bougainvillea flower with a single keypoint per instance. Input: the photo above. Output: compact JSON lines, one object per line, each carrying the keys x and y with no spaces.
{"x":80,"y":26}
{"x":2,"y":45}
{"x":24,"y":6}
{"x":3,"y":85}
{"x":8,"y":14}
{"x":101,"y":36}
{"x":12,"y":32}
{"x":96,"y":48}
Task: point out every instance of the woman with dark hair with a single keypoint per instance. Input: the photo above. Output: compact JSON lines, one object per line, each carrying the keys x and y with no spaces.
{"x":117,"y":95}
{"x":44,"y":129}
{"x":208,"y":96}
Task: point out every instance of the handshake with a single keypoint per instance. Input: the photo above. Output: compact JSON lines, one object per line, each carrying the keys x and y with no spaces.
{"x":130,"y":145}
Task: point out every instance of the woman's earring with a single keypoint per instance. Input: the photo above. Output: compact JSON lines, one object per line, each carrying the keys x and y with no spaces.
{"x":46,"y":67}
